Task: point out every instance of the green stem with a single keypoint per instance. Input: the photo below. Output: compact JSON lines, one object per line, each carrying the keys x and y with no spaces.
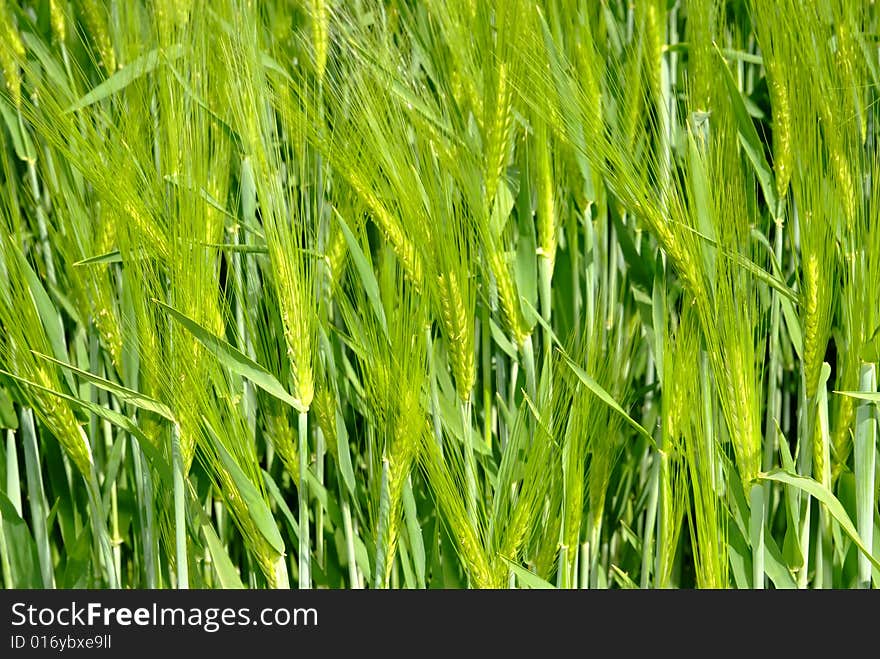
{"x":591,"y":255}
{"x":37,"y":498}
{"x":305,"y":580}
{"x":805,"y":467}
{"x":353,"y":573}
{"x":247,"y":404}
{"x":13,"y":480}
{"x":435,"y":397}
{"x":383,"y":564}
{"x":4,"y":559}
{"x":575,"y":255}
{"x":823,"y":573}
{"x":865,"y":451}
{"x":528,"y":353}
{"x":144,"y":493}
{"x":563,"y":573}
{"x":545,"y":278}
{"x":662,"y":548}
{"x":500,"y":380}
{"x":610,"y":284}
{"x":179,"y":510}
{"x":115,"y":538}
{"x":99,"y":528}
{"x":511,"y":385}
{"x":593,"y":542}
{"x":486,"y":362}
{"x":13,"y":493}
{"x":756,"y":532}
{"x":470,"y":460}
{"x":774,"y":371}
{"x":824,"y":552}
{"x":584,"y":564}
{"x":650,"y":522}
{"x":319,"y":509}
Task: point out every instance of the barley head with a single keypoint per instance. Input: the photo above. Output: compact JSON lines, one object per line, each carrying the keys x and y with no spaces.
{"x":779,"y":101}
{"x":654,"y":38}
{"x":57,"y":20}
{"x":335,"y":254}
{"x":95,"y":15}
{"x":841,"y":439}
{"x":744,"y":431}
{"x":324,"y":406}
{"x":299,"y":346}
{"x":391,"y":228}
{"x":813,"y":349}
{"x":11,"y":52}
{"x":498,"y":131}
{"x":508,"y":296}
{"x":59,"y":418}
{"x":547,"y":214}
{"x":320,"y":33}
{"x":458,"y":330}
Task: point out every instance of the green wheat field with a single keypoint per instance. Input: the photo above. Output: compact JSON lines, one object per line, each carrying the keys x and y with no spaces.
{"x":439,"y":294}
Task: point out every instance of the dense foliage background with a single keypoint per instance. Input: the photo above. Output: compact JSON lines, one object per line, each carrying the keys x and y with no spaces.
{"x":451,"y":293}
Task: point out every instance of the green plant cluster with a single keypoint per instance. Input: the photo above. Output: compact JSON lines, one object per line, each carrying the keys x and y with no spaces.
{"x":439,"y":294}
